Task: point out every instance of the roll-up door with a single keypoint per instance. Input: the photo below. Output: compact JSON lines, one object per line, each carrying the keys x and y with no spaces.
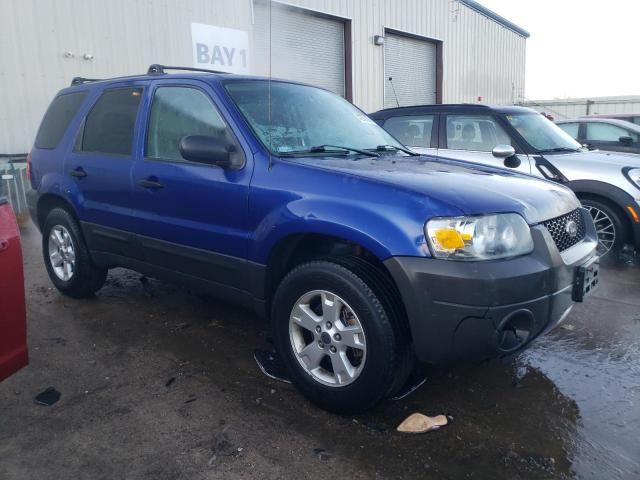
{"x":305,"y":46}
{"x":411,"y":65}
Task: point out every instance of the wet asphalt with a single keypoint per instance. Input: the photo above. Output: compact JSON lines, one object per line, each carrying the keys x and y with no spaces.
{"x":159,"y":382}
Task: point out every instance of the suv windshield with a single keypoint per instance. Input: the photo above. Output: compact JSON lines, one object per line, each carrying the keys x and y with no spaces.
{"x":292,"y":119}
{"x":542,"y":134}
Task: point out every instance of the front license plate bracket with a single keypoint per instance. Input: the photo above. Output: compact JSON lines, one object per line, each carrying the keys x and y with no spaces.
{"x":587,"y":279}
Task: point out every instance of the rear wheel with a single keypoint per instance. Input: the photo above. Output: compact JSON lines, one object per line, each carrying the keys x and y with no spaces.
{"x":610,"y":226}
{"x":338,"y":341}
{"x":66,"y":256}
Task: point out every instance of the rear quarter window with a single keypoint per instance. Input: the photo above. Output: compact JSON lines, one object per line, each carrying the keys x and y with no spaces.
{"x":57,"y":119}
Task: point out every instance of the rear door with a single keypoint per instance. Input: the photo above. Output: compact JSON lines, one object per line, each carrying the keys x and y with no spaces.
{"x":472,"y":137}
{"x":100,"y":166}
{"x":13,"y":321}
{"x":191,"y":218}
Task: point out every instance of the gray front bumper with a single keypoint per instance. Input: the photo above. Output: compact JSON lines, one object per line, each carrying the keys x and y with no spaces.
{"x":462,"y":310}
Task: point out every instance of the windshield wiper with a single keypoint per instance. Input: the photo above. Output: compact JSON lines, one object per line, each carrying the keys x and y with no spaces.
{"x":559,"y":149}
{"x":329,"y":149}
{"x":393,"y":148}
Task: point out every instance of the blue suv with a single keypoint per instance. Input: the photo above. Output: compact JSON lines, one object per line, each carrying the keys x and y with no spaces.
{"x":284,"y":197}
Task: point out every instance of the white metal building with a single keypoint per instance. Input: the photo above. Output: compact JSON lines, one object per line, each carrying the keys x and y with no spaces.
{"x":567,"y":108}
{"x":376,"y":53}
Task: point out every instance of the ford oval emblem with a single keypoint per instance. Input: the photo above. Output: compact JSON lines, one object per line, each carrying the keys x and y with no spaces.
{"x":571,"y":228}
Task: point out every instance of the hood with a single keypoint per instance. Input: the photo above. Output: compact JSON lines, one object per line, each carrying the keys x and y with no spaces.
{"x":619,"y":159}
{"x":473,"y":189}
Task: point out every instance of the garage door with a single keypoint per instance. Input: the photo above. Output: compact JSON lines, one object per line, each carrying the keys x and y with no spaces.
{"x":304,"y":47}
{"x":411,"y":65}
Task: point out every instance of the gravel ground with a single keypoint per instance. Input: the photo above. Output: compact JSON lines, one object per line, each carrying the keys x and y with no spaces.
{"x":158,"y":382}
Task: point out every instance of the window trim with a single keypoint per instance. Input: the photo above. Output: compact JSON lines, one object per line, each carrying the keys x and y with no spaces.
{"x":172,"y":84}
{"x":80,"y":134}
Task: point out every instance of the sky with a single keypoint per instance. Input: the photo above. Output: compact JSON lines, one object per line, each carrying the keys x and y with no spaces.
{"x":577,"y":48}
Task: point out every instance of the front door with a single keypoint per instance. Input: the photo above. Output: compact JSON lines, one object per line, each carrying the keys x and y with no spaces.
{"x":473,"y":137}
{"x":611,"y":137}
{"x":191,"y":218}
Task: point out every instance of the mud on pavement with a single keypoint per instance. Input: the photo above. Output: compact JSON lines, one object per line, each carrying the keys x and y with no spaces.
{"x":160,"y":382}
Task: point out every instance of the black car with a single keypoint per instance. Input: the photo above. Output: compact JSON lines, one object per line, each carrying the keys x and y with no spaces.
{"x":604,"y":133}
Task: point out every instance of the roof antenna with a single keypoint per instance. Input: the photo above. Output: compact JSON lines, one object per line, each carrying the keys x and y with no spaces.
{"x":394,"y":90}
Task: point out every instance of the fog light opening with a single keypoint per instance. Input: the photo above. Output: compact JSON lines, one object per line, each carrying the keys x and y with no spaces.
{"x":515,"y":331}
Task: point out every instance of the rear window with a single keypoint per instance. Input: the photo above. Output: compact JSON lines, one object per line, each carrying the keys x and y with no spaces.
{"x":57,"y":119}
{"x":109,"y":125}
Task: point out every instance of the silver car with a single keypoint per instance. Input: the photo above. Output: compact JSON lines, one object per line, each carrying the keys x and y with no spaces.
{"x":607,"y":183}
{"x":604,"y":133}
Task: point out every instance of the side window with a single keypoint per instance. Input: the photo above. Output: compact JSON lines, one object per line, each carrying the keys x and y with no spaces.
{"x":571,"y":128}
{"x":605,"y":132}
{"x":57,"y":119}
{"x":414,"y":131}
{"x":177,"y":112}
{"x":480,"y":133}
{"x":109,"y":125}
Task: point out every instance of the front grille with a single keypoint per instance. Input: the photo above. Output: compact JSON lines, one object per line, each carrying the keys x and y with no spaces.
{"x":559,"y":232}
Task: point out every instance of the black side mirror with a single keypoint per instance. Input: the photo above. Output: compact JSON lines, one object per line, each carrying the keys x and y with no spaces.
{"x":626,"y":140}
{"x":210,"y":150}
{"x":508,"y":154}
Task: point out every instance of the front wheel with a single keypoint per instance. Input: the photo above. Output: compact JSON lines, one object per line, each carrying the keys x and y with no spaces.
{"x":66,"y":256}
{"x":610,"y":227}
{"x":336,"y":338}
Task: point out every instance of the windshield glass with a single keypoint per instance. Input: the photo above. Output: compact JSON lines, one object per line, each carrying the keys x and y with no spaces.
{"x":290,"y":118}
{"x":541,"y":133}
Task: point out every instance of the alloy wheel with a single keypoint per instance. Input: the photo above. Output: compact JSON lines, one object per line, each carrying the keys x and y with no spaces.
{"x":62,"y":254}
{"x":605,"y":229}
{"x":327,"y":338}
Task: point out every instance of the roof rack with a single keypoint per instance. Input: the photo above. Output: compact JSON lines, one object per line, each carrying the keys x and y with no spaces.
{"x":157,"y":69}
{"x":81,"y":80}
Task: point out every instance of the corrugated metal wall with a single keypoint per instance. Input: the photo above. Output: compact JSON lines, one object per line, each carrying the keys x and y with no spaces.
{"x":577,"y":107}
{"x":44,"y":43}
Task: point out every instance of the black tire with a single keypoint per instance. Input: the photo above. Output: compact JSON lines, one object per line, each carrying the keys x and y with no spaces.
{"x":618,"y":222}
{"x":87,"y":278}
{"x":386,"y":349}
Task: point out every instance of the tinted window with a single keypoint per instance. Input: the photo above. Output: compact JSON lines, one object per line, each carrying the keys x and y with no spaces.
{"x":177,"y":112}
{"x":605,"y":132}
{"x":57,"y":119}
{"x":109,"y":126}
{"x":414,"y":131}
{"x":570,"y":128}
{"x":479,"y":133}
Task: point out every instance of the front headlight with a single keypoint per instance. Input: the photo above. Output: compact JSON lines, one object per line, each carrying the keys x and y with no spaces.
{"x":486,"y":237}
{"x":634,"y":176}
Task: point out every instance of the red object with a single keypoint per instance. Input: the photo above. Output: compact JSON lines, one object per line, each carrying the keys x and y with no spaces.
{"x":13,"y":315}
